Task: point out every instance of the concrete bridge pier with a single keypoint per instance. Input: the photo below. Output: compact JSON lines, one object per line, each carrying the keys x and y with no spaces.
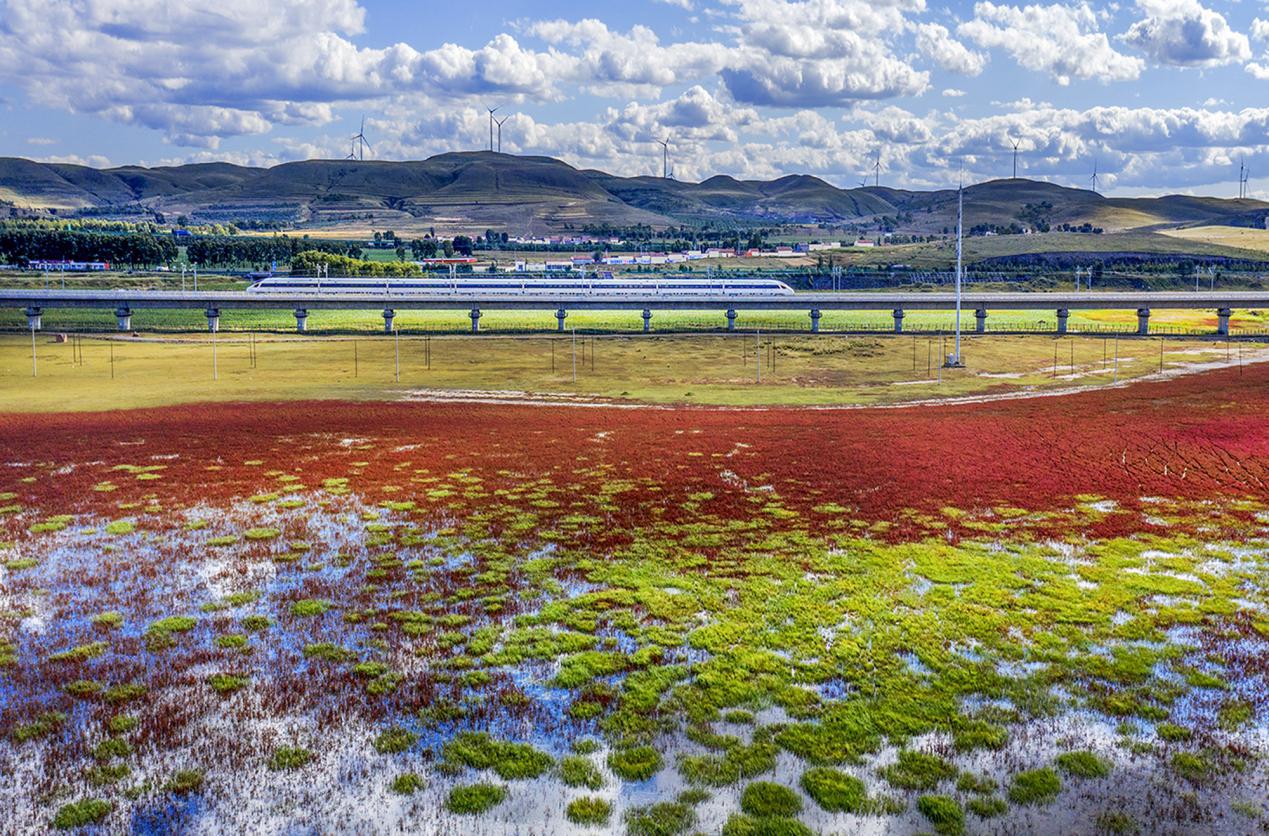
{"x":301,"y":320}
{"x":34,"y":318}
{"x":1062,"y":315}
{"x":980,"y":326}
{"x":898,"y":320}
{"x":1143,"y":321}
{"x":213,"y":319}
{"x":559,"y":319}
{"x":731,"y":319}
{"x":123,"y":317}
{"x":815,"y":320}
{"x":388,"y":316}
{"x":1222,"y":321}
{"x":475,"y":320}
{"x":647,"y":321}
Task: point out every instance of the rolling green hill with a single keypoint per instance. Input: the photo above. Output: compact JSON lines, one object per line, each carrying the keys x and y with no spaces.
{"x":468,"y":191}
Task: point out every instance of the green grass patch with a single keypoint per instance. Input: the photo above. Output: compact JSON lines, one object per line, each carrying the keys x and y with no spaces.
{"x":944,"y":814}
{"x":473,"y":799}
{"x":588,"y":811}
{"x":764,"y":799}
{"x":834,"y":790}
{"x":1035,"y":786}
{"x":1083,"y":764}
{"x":638,"y":763}
{"x":81,"y":813}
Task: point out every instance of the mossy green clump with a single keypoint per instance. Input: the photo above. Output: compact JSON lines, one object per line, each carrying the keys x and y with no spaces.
{"x":578,"y":771}
{"x":987,"y":807}
{"x":289,"y":757}
{"x":185,"y":781}
{"x":106,"y":774}
{"x":510,"y":761}
{"x":944,"y":813}
{"x":918,"y":771}
{"x":111,"y":748}
{"x":261,"y":533}
{"x":108,"y":620}
{"x":834,"y":790}
{"x":81,"y":813}
{"x":588,"y":811}
{"x":256,"y":623}
{"x":407,"y":783}
{"x":83,"y":688}
{"x":227,"y":683}
{"x":119,"y":527}
{"x":82,"y":653}
{"x":585,"y":746}
{"x":122,"y":723}
{"x":741,"y":824}
{"x":637,"y":763}
{"x":309,"y":607}
{"x":232,"y":641}
{"x":1083,"y":764}
{"x":764,"y":799}
{"x":41,"y":726}
{"x":473,"y":799}
{"x":328,"y":652}
{"x":979,"y":734}
{"x":1172,"y":733}
{"x":393,"y":740}
{"x":665,"y":818}
{"x":1192,"y":766}
{"x":161,"y":634}
{"x":1035,"y":786}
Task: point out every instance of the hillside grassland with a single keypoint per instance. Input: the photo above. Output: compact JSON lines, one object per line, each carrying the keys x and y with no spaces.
{"x":1040,"y":615}
{"x":1240,"y":237}
{"x":743,"y":369}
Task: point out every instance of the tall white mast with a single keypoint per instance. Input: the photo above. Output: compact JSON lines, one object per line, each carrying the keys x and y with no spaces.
{"x":960,"y":222}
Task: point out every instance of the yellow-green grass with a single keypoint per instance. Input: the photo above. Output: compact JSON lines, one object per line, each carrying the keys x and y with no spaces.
{"x":371,"y":321}
{"x":1243,"y":237}
{"x":706,"y":369}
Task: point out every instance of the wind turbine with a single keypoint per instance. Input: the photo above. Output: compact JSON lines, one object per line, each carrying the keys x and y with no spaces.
{"x":665,"y":157}
{"x":876,"y":169}
{"x":362,"y":143}
{"x":863,"y":184}
{"x":352,"y":154}
{"x":1093,"y":179}
{"x":1015,"y":143}
{"x":492,"y":111}
{"x":499,"y":122}
{"x":1244,"y":174}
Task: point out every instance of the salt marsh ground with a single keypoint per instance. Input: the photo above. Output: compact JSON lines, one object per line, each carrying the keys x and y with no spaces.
{"x":1037,"y":615}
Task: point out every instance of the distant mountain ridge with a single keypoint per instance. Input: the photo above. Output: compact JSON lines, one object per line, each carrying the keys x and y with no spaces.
{"x":526,"y":193}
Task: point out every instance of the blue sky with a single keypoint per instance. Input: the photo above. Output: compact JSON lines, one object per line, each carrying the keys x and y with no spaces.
{"x":1160,"y":95}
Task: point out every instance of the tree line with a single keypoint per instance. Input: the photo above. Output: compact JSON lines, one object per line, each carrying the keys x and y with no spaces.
{"x":24,"y":245}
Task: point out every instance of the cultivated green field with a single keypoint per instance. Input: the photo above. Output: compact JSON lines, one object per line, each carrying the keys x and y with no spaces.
{"x":95,"y":373}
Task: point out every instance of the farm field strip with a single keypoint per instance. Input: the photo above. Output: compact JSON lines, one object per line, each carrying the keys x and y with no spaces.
{"x":96,"y":373}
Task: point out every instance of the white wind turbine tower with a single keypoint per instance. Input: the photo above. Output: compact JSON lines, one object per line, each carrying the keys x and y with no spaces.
{"x":1093,"y":179}
{"x":1015,"y":143}
{"x":665,"y":157}
{"x":499,"y":122}
{"x":360,"y":140}
{"x":492,"y":111}
{"x":876,"y":170}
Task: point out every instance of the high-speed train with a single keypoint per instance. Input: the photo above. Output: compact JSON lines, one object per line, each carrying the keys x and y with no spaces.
{"x":516,"y":286}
